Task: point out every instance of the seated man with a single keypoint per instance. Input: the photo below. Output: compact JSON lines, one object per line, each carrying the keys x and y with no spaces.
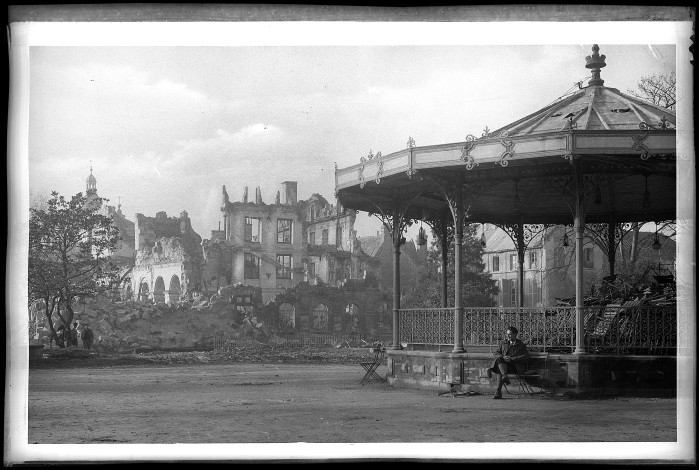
{"x":511,"y":356}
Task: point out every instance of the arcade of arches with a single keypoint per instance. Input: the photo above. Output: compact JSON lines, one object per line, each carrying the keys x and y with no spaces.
{"x":156,"y":290}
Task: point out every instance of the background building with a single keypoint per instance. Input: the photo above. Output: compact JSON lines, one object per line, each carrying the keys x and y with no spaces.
{"x":276,"y":246}
{"x":549,"y":264}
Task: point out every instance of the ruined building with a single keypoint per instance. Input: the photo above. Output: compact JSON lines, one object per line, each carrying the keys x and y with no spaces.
{"x":276,"y":246}
{"x":549,"y":264}
{"x":333,"y":253}
{"x":169,"y":259}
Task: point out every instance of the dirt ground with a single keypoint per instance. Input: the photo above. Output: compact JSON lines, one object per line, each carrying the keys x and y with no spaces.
{"x":197,"y":398}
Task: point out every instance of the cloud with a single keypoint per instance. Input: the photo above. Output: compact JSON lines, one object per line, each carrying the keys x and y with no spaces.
{"x":224,"y":148}
{"x":109,"y":109}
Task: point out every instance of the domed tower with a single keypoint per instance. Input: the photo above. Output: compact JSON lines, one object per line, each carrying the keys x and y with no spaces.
{"x":91,"y":183}
{"x":93,"y":200}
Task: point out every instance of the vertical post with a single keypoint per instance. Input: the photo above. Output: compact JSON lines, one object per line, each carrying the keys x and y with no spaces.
{"x":396,"y":282}
{"x":579,"y":227}
{"x":445,"y":264}
{"x":520,"y":273}
{"x":611,"y":241}
{"x":520,"y":265}
{"x":458,"y":309}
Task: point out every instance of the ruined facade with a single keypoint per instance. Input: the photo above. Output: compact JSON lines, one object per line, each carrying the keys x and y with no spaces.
{"x":276,"y":246}
{"x":351,"y":309}
{"x":169,"y":259}
{"x":334,"y":253}
{"x":261,"y":245}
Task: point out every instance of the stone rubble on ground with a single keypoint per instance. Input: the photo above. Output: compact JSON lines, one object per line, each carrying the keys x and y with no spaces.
{"x":120,"y":326}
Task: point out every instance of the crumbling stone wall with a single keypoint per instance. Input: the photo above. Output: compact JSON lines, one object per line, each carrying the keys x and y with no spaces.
{"x":372,"y":306}
{"x":217,"y":270}
{"x":169,"y":258}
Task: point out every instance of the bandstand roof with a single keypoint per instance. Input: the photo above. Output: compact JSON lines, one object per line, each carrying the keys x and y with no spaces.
{"x":522,"y":172}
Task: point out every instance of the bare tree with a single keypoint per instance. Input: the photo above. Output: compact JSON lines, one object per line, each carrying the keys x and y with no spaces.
{"x":658,"y":89}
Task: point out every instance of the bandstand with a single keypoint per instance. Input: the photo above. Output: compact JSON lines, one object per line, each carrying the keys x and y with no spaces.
{"x":598,"y":157}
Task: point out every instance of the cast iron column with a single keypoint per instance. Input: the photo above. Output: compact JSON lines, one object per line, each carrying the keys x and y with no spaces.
{"x":458,"y":310}
{"x":396,"y":286}
{"x":445,"y":263}
{"x":611,"y":241}
{"x":579,"y":227}
{"x":520,"y":267}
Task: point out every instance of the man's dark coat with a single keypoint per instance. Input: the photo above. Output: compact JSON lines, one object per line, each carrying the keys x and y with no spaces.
{"x":517,"y":352}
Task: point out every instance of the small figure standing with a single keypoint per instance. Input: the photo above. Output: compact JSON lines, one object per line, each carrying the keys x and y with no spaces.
{"x":60,"y":336}
{"x":87,"y":337}
{"x":74,"y":335}
{"x":511,"y":356}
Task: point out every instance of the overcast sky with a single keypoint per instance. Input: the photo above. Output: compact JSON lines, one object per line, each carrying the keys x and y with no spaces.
{"x":165,"y":127}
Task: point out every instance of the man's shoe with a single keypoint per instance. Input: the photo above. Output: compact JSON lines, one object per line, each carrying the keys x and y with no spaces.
{"x":506,"y":380}
{"x":498,"y":395}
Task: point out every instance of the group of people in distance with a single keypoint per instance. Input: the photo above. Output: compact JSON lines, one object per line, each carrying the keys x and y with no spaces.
{"x":70,"y":338}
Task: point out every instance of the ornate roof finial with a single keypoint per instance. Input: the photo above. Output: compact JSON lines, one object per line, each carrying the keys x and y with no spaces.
{"x":595,"y":62}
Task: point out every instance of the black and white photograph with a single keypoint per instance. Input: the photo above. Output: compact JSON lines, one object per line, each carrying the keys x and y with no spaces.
{"x":249,"y":233}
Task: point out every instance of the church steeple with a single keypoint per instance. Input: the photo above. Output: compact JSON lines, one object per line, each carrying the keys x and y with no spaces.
{"x":91,"y":183}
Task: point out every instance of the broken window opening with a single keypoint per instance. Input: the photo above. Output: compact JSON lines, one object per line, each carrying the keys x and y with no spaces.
{"x":284,"y":266}
{"x":320,"y":318}
{"x":252,"y":266}
{"x":284,"y":230}
{"x":252,"y":229}
{"x":287,"y":317}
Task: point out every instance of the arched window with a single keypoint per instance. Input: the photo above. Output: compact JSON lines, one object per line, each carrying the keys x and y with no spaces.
{"x":128,"y":292}
{"x":287,"y":317}
{"x":352,"y":315}
{"x":319,"y":319}
{"x":173,"y":293}
{"x":143,"y":291}
{"x":159,"y":291}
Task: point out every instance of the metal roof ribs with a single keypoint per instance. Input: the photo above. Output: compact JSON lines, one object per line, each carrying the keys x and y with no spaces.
{"x":599,"y":116}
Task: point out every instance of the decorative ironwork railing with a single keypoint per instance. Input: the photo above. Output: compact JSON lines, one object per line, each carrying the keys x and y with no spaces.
{"x":540,"y":329}
{"x":629,"y":329}
{"x":427,"y":326}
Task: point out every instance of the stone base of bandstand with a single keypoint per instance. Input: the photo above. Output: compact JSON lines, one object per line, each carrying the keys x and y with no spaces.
{"x":560,"y":374}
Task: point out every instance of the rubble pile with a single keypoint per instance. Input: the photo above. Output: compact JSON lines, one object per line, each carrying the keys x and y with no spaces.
{"x":123,"y":326}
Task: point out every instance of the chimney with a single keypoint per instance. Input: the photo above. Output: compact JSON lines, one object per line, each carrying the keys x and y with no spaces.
{"x":258,"y":195}
{"x":245,"y":195}
{"x":289,"y":191}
